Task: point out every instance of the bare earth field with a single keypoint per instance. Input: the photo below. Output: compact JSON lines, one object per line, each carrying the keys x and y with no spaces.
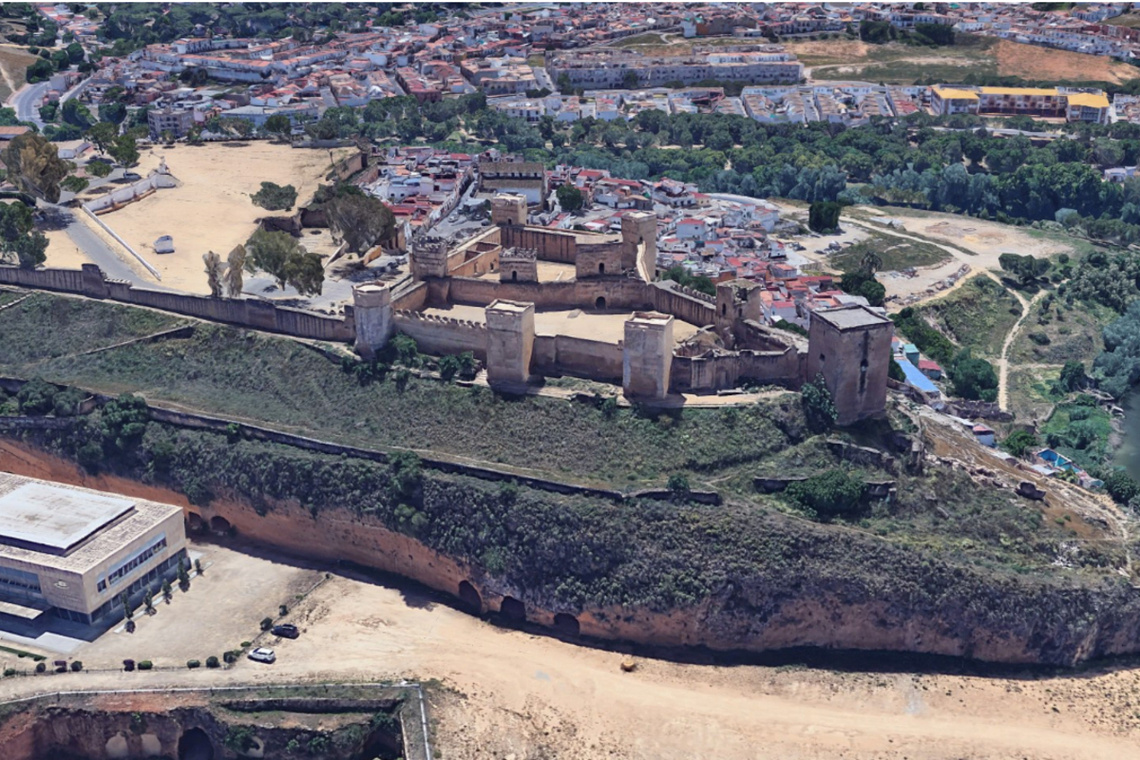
{"x":1032,"y":62}
{"x":504,"y":693}
{"x":211,"y":209}
{"x":14,"y":62}
{"x":609,"y":327}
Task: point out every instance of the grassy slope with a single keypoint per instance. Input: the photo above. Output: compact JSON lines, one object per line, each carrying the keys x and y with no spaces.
{"x":896,"y":253}
{"x":976,"y":316}
{"x":285,"y":384}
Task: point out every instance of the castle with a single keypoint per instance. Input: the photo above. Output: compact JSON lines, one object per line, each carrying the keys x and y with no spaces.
{"x":532,"y":301}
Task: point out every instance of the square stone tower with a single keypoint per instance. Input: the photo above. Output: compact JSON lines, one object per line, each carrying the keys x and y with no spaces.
{"x":647,"y":355}
{"x":429,"y":258}
{"x":372,"y":310}
{"x":851,"y":347}
{"x":640,"y":227}
{"x":507,"y":209}
{"x":510,"y":342}
{"x":518,"y":265}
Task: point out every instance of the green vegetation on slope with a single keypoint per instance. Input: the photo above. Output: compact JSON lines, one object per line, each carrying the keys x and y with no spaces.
{"x":895,"y":254}
{"x":977,"y":316}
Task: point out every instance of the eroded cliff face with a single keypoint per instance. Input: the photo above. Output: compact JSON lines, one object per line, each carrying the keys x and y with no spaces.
{"x":1014,"y":621}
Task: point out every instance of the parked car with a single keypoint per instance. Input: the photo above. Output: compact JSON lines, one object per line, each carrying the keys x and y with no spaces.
{"x":263,"y":654}
{"x":286,"y":631}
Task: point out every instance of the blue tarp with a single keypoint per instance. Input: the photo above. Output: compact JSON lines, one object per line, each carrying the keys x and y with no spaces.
{"x":916,"y":378}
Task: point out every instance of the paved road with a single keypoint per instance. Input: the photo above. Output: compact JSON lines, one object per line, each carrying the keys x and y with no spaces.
{"x":26,"y":102}
{"x":112,"y":261}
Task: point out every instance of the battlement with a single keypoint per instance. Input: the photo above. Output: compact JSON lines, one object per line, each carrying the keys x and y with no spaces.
{"x":429,"y":258}
{"x":422,"y":317}
{"x":519,"y":254}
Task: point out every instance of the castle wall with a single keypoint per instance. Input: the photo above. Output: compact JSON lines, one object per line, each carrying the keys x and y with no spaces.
{"x":413,"y":298}
{"x":243,"y":312}
{"x":477,"y":264}
{"x":442,"y":335}
{"x":552,"y":245}
{"x":698,"y":374}
{"x":578,"y":357}
{"x":599,"y":259}
{"x":687,"y":305}
{"x":617,"y":292}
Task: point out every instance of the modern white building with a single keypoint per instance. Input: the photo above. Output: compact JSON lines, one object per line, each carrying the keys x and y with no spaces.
{"x":76,"y":552}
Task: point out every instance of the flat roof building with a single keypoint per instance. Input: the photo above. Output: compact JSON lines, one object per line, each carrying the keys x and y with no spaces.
{"x":76,"y":551}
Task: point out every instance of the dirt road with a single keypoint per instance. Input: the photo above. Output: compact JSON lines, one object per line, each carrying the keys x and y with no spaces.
{"x":504,"y":693}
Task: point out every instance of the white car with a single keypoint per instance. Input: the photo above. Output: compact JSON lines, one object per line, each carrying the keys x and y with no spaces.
{"x":263,"y":654}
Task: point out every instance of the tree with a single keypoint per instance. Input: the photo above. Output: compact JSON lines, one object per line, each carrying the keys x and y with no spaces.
{"x":817,"y":405}
{"x":34,"y":166}
{"x":125,"y":150}
{"x":1073,"y":377}
{"x":213,"y":273}
{"x":74,"y":184}
{"x":242,"y":128}
{"x":40,"y":71}
{"x":828,"y":494}
{"x":286,"y":260}
{"x":630,"y":80}
{"x":1020,"y":441}
{"x":1121,"y":487}
{"x":235,"y":267}
{"x":570,"y":198}
{"x":77,"y":114}
{"x":678,"y":485}
{"x":279,"y":125}
{"x":823,"y":216}
{"x":102,"y":135}
{"x":273,"y":197}
{"x":19,"y":240}
{"x":98,"y":168}
{"x":360,"y":220}
{"x":74,"y":52}
{"x":1026,"y":269}
{"x":974,"y":378}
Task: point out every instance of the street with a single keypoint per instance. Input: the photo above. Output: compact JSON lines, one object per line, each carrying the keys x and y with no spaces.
{"x":111,"y":261}
{"x":26,"y":102}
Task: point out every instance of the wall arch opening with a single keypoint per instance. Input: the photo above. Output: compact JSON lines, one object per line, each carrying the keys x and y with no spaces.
{"x":116,"y":747}
{"x":470,"y":597}
{"x":513,"y":609}
{"x":566,"y":624}
{"x":601,"y":267}
{"x":219,"y":524}
{"x":514,"y":276}
{"x":195,"y":745}
{"x":194,"y":522}
{"x":600,"y":303}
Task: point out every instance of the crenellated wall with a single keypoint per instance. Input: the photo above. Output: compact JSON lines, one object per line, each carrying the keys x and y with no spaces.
{"x":442,"y":335}
{"x":578,"y":357}
{"x":708,"y":373}
{"x":243,"y":312}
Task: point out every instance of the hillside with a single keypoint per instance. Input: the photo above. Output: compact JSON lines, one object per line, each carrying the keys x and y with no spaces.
{"x":948,"y":564}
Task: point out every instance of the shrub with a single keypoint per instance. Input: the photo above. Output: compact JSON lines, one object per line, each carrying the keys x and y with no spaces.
{"x":41,"y":667}
{"x":283,"y":610}
{"x":145,"y":665}
{"x":679,"y":486}
{"x":245,"y":644}
{"x":193,"y":664}
{"x":275,"y":197}
{"x":1019,"y":441}
{"x":128,"y":665}
{"x":266,"y":623}
{"x":818,"y":407}
{"x":830,"y":493}
{"x":76,"y":666}
{"x":212,"y":662}
{"x":230,"y":657}
{"x":8,"y":672}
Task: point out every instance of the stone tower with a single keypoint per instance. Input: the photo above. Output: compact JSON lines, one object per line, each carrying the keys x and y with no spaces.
{"x":510,"y":342}
{"x":518,"y":265}
{"x":508,"y":209}
{"x":372,"y":309}
{"x":647,"y":355}
{"x":639,"y":227}
{"x":429,"y":258}
{"x":851,"y":347}
{"x":736,"y":299}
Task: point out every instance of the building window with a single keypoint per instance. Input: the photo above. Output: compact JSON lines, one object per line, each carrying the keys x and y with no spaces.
{"x":125,"y":568}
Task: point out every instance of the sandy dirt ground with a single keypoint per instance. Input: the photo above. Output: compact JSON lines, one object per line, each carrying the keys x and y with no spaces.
{"x":608,"y":327}
{"x":14,"y":61}
{"x":498,"y":693}
{"x":211,"y":209}
{"x":1037,"y":63}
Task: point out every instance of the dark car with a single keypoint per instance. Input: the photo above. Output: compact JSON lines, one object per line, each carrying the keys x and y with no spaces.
{"x":286,"y":631}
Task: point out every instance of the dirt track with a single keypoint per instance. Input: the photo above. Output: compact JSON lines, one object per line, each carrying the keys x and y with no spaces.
{"x":507,"y":693}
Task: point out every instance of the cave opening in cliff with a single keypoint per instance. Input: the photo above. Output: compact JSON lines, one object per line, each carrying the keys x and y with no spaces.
{"x":195,"y":744}
{"x":219,"y":524}
{"x":566,"y":624}
{"x":470,"y":597}
{"x":194,"y":522}
{"x":513,"y":609}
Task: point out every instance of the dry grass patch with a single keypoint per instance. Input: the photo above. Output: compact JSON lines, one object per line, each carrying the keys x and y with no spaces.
{"x":1039,"y":63}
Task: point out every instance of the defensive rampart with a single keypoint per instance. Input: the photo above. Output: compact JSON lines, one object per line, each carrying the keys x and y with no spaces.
{"x":243,"y":312}
{"x":578,"y":357}
{"x":442,"y":335}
